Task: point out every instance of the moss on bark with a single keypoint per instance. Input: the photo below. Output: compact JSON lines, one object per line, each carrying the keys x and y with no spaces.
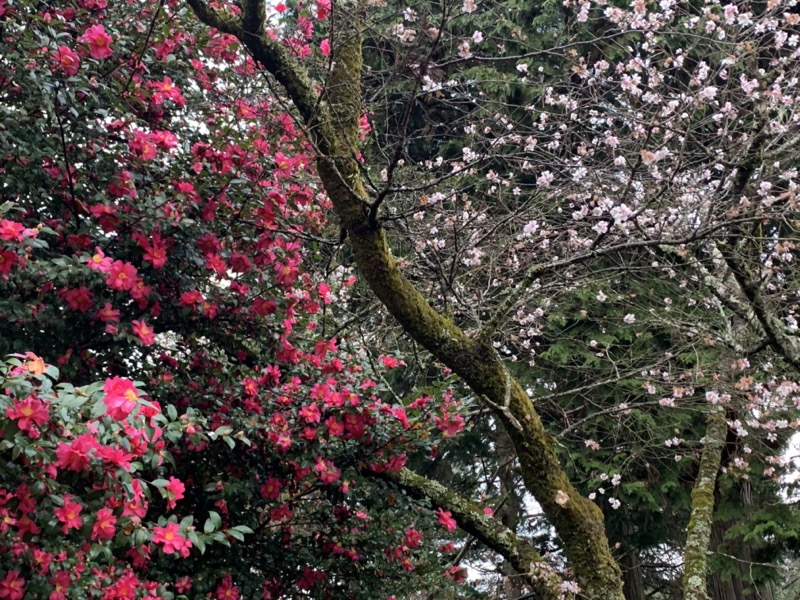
{"x":332,"y":122}
{"x":520,"y":554}
{"x":698,"y":535}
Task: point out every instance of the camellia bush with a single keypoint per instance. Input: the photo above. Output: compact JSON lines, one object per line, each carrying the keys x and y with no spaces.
{"x":162,"y":234}
{"x":582,"y":214}
{"x":82,"y":470}
{"x":92,"y":506}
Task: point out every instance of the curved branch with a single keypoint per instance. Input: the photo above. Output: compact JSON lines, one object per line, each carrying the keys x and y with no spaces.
{"x":493,"y":534}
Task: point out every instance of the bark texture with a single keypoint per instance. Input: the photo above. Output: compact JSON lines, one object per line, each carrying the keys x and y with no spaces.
{"x":698,"y":536}
{"x":331,"y":120}
{"x":527,"y":563}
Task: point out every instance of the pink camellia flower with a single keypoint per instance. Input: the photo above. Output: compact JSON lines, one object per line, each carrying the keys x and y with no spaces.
{"x":310,"y":413}
{"x":66,"y":60}
{"x":69,"y":515}
{"x":12,"y":586}
{"x":413,"y":538}
{"x":99,"y":261}
{"x":114,"y":456}
{"x":121,"y":275}
{"x":103,"y":528}
{"x":7,"y":261}
{"x":28,"y":412}
{"x":174,"y":489}
{"x":94,"y":4}
{"x":326,"y":471}
{"x":144,"y":332}
{"x":323,"y":9}
{"x":121,"y":397}
{"x":156,"y":253}
{"x":11,"y":231}
{"x":172,"y":539}
{"x":99,"y":42}
{"x":271,"y":488}
{"x":107,"y":314}
{"x":456,"y":573}
{"x":74,"y":456}
{"x":446,"y":519}
{"x":325,"y":47}
{"x":184,"y":584}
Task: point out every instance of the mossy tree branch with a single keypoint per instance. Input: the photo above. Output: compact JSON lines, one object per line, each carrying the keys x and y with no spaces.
{"x":493,"y":534}
{"x":332,"y":122}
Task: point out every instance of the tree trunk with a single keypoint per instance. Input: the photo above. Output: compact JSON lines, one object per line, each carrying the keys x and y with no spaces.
{"x":332,"y":120}
{"x":632,"y":576}
{"x":733,"y":587}
{"x":698,"y":537}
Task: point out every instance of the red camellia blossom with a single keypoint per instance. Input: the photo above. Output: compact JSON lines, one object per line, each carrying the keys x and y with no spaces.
{"x":144,"y":332}
{"x":121,"y":397}
{"x":12,"y":587}
{"x":104,"y":526}
{"x":28,"y":412}
{"x":326,"y":471}
{"x":264,"y":307}
{"x":450,"y":425}
{"x":271,"y":488}
{"x":142,"y":146}
{"x":70,"y":515}
{"x":310,"y":413}
{"x":121,"y":275}
{"x":7,"y":261}
{"x":323,"y":9}
{"x":99,"y":42}
{"x":60,"y":582}
{"x":75,"y":456}
{"x":79,"y":299}
{"x":413,"y":538}
{"x":108,"y":314}
{"x":174,"y":489}
{"x":446,"y":519}
{"x":125,"y":587}
{"x":191,"y":298}
{"x":67,"y":60}
{"x":166,"y":90}
{"x":325,"y":47}
{"x":115,"y":456}
{"x":311,"y":578}
{"x":456,"y":573}
{"x":156,"y":253}
{"x":6,"y":520}
{"x":42,"y":560}
{"x":226,"y":590}
{"x":239,"y":263}
{"x":11,"y":231}
{"x":391,"y":362}
{"x":94,"y":4}
{"x":183,"y":584}
{"x":99,"y":261}
{"x":172,"y":539}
